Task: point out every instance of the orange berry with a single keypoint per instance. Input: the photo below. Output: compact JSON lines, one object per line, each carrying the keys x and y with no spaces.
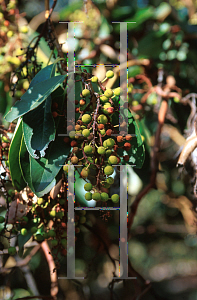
{"x":120,"y":139}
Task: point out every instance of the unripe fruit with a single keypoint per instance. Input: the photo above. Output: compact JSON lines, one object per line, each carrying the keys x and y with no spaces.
{"x":72,"y":134}
{"x":74,"y":160}
{"x":102,"y":132}
{"x":54,"y":243}
{"x":40,"y":201}
{"x":120,"y":139}
{"x":110,"y":142}
{"x":86,"y":118}
{"x":118,"y":91}
{"x":88,"y":149}
{"x":103,"y":98}
{"x":96,"y":196}
{"x":106,"y":185}
{"x":108,"y":153}
{"x":108,"y":93}
{"x":112,"y":160}
{"x":39,"y":238}
{"x":104,"y":196}
{"x":101,"y":126}
{"x":86,"y":132}
{"x":115,"y":198}
{"x":85,"y":93}
{"x":24,"y":29}
{"x":65,"y":168}
{"x":26,"y":84}
{"x":2,"y":219}
{"x":12,"y":250}
{"x":62,"y":201}
{"x":102,"y":119}
{"x":24,"y":231}
{"x":64,"y":242}
{"x":82,"y":219}
{"x":94,"y":79}
{"x":127,"y":146}
{"x":10,"y":33}
{"x":84,"y":173}
{"x":109,"y":74}
{"x":105,"y":144}
{"x":33,"y":230}
{"x":108,"y":170}
{"x":88,"y":196}
{"x":110,"y":180}
{"x":5,"y":139}
{"x":101,"y":150}
{"x":53,"y":213}
{"x":176,"y":99}
{"x":51,"y":233}
{"x":88,"y":187}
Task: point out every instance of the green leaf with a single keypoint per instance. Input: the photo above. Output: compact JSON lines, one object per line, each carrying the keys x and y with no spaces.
{"x":34,"y":96}
{"x":39,"y":128}
{"x":136,"y":152}
{"x":38,"y":124}
{"x":14,"y":166}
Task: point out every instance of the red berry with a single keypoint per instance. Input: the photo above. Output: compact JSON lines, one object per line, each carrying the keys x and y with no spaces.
{"x":109,"y":132}
{"x":101,"y":126}
{"x":76,"y":102}
{"x":128,"y":137}
{"x":126,"y":158}
{"x":82,"y":102}
{"x":120,"y":139}
{"x":6,"y":23}
{"x":110,"y":110}
{"x":77,"y":109}
{"x":127,"y":146}
{"x":70,"y":128}
{"x":66,"y":140}
{"x":73,"y":143}
{"x":115,"y":147}
{"x":118,"y":160}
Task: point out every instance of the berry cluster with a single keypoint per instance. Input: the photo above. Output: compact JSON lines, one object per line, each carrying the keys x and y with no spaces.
{"x":94,"y":148}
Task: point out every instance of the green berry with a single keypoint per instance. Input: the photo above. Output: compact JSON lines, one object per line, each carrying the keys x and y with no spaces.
{"x":176,"y":99}
{"x":94,"y":79}
{"x":33,"y":230}
{"x":12,"y":250}
{"x":115,"y":198}
{"x":4,"y":139}
{"x":118,"y":91}
{"x":106,"y":185}
{"x":110,"y":180}
{"x":102,"y":119}
{"x":108,"y":170}
{"x":64,"y":242}
{"x":108,"y":152}
{"x":110,"y":74}
{"x":112,"y":160}
{"x":101,"y":150}
{"x":104,"y":196}
{"x":65,"y":168}
{"x":108,"y":93}
{"x":86,"y":119}
{"x":84,"y":173}
{"x":54,"y":243}
{"x":82,"y":219}
{"x":88,"y":187}
{"x":39,"y":237}
{"x":53,"y":213}
{"x":40,"y":201}
{"x":85,"y":93}
{"x":110,"y":142}
{"x":62,"y":201}
{"x":10,"y":33}
{"x":24,"y":29}
{"x":88,"y":149}
{"x":86,"y":132}
{"x":88,"y":196}
{"x":102,"y":131}
{"x":103,"y":98}
{"x":96,"y":196}
{"x":2,"y":219}
{"x":51,"y":233}
{"x":24,"y":231}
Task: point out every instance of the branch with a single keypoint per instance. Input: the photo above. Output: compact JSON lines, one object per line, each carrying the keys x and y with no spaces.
{"x":154,"y":164}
